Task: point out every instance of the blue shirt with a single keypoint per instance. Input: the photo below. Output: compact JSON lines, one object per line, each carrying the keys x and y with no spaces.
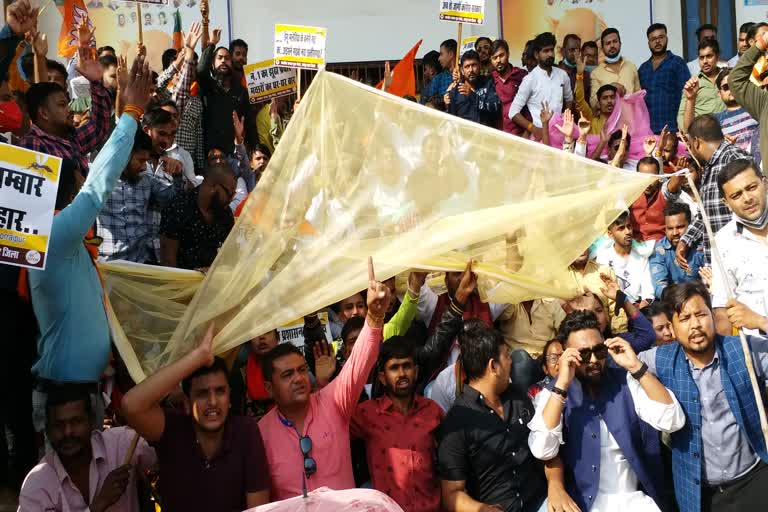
{"x":67,"y":296}
{"x":439,"y":85}
{"x":663,"y":90}
{"x":666,"y":271}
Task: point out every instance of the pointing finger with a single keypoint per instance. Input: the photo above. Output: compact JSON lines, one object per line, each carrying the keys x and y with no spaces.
{"x":371,"y":273}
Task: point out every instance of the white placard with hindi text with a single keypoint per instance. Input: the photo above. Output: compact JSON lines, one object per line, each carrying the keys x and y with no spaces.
{"x":294,"y":331}
{"x":463,"y":11}
{"x":29,"y":181}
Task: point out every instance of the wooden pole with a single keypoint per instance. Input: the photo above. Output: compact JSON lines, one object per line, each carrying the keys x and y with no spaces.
{"x":458,"y":48}
{"x":298,"y":84}
{"x":140,"y":22}
{"x":131,"y":449}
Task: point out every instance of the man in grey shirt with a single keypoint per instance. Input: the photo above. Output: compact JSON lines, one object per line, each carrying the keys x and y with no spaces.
{"x":719,"y":458}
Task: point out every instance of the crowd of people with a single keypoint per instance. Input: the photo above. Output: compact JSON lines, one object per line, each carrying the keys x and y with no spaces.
{"x":634,"y":395}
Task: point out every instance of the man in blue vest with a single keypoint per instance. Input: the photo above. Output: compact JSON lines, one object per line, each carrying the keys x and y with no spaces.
{"x":719,"y":457}
{"x":602,"y":420}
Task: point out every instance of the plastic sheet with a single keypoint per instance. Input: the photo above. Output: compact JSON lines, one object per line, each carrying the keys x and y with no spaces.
{"x":327,"y":500}
{"x":360,"y":172}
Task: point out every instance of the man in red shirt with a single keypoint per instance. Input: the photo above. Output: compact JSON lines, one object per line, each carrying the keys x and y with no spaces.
{"x":507,"y":79}
{"x":399,"y":430}
{"x":647,"y":212}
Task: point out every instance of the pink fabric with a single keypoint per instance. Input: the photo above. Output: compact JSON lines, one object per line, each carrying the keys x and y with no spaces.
{"x":48,"y":486}
{"x":630,"y":110}
{"x":327,"y":424}
{"x":327,"y":500}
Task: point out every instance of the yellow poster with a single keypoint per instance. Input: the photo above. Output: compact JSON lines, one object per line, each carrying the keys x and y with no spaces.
{"x":300,"y":47}
{"x":463,"y":11}
{"x":267,"y":81}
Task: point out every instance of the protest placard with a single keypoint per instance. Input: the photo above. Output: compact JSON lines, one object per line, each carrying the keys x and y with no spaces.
{"x":28,"y":184}
{"x":267,"y":81}
{"x":468,"y":43}
{"x":463,"y":11}
{"x":294,"y":331}
{"x":299,"y":47}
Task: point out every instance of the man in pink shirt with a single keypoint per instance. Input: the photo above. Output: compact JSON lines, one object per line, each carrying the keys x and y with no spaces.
{"x":86,"y":470}
{"x":306,"y":436}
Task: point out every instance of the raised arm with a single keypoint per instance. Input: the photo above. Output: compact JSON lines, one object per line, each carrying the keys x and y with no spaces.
{"x":141,"y":405}
{"x":20,"y":17}
{"x":753,"y":99}
{"x":94,"y":131}
{"x":181,"y":89}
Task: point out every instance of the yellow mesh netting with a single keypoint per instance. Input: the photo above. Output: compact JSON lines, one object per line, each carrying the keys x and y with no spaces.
{"x":359,"y":172}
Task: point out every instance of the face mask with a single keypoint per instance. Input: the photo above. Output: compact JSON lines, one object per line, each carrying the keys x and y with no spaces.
{"x":568,"y":63}
{"x":758,"y":223}
{"x":589,"y":68}
{"x":10,"y":116}
{"x":613,"y":60}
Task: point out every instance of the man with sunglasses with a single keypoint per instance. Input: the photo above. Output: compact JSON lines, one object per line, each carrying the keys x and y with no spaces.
{"x":737,"y":124}
{"x":306,"y":434}
{"x":196,"y":223}
{"x":209,"y":459}
{"x":600,"y":419}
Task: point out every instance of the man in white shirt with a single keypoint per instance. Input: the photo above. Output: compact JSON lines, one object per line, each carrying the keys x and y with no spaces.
{"x":742,"y":44}
{"x":742,"y":245}
{"x":598,"y":417}
{"x":706,"y":31}
{"x":628,"y":262}
{"x":545,"y":84}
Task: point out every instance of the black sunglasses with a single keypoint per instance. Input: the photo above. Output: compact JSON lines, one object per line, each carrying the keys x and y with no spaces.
{"x":600,"y":351}
{"x":310,"y":466}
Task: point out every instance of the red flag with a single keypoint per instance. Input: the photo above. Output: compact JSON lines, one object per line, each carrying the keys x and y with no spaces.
{"x":74,"y":12}
{"x":403,"y":75}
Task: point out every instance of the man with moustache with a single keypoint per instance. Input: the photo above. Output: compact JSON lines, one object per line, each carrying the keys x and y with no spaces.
{"x":600,"y":419}
{"x":665,"y":269}
{"x":743,"y":250}
{"x":663,"y":77}
{"x":506,"y":79}
{"x":700,"y":94}
{"x":474,"y":97}
{"x":222,"y":94}
{"x":483,"y":49}
{"x":571,"y":52}
{"x":209,"y":459}
{"x":86,"y":471}
{"x":719,"y":458}
{"x":615,"y":69}
{"x":742,"y":43}
{"x":400,"y":425}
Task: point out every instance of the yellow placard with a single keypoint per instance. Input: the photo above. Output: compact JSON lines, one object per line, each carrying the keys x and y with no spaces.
{"x":463,"y":11}
{"x":266,"y":81}
{"x":298,"y":46}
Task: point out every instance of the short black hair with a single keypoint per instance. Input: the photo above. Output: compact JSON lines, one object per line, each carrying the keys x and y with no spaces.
{"x":480,"y":344}
{"x":710,"y":43}
{"x":649,"y":160}
{"x":142,"y":141}
{"x":168,"y":56}
{"x":656,"y":308}
{"x":450,"y":45}
{"x":721,"y":76}
{"x":605,"y":88}
{"x":107,"y":61}
{"x":499,"y":43}
{"x":653,"y":28}
{"x":482,"y":38}
{"x":707,"y":128}
{"x":702,"y":28}
{"x":469,"y":55}
{"x":237,"y":43}
{"x":568,"y":37}
{"x":105,"y":48}
{"x":260,"y":148}
{"x":268,"y":359}
{"x":607,"y":32}
{"x":65,"y":394}
{"x":544,"y":40}
{"x":733,"y":169}
{"x":38,"y":94}
{"x":621,"y":219}
{"x":157,"y":117}
{"x":431,"y":59}
{"x":353,"y":324}
{"x":752,"y":33}
{"x":54,"y":65}
{"x":160,"y":102}
{"x":577,"y":321}
{"x":543,"y":357}
{"x":218,"y":366}
{"x":676,"y":295}
{"x":744,"y":28}
{"x":589,"y":44}
{"x":676,"y":208}
{"x":617,"y":135}
{"x":397,"y":347}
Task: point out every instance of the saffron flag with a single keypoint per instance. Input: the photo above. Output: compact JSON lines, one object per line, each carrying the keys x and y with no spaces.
{"x":178,"y":38}
{"x":403,"y":75}
{"x":74,"y":13}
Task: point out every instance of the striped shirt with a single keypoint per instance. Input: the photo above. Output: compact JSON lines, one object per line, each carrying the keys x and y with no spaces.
{"x":739,"y":126}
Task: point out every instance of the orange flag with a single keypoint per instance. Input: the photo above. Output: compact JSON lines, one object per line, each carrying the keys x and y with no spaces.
{"x":403,"y":75}
{"x":74,"y":12}
{"x":178,"y":39}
